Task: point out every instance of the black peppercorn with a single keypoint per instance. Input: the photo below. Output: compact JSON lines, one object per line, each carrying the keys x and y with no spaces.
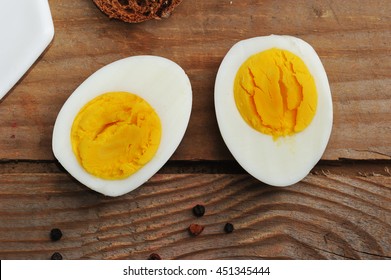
{"x":56,"y":256}
{"x":55,"y":234}
{"x":154,"y":256}
{"x":228,"y":228}
{"x":199,"y":210}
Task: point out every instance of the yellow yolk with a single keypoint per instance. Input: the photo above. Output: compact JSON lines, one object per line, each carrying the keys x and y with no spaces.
{"x":115,"y":134}
{"x":275,"y":93}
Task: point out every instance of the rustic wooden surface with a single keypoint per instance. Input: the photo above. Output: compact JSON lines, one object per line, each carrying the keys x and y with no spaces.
{"x":342,"y":210}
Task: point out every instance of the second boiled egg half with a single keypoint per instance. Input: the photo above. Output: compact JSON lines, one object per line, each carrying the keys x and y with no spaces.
{"x":274,"y":108}
{"x":122,"y":124}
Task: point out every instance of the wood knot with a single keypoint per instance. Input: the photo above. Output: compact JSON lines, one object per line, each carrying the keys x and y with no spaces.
{"x":319,"y":12}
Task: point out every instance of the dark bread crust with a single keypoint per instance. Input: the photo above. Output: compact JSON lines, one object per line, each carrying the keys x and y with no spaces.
{"x":137,"y":10}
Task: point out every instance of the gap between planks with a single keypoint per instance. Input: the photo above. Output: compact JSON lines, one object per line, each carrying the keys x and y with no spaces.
{"x":364,"y":168}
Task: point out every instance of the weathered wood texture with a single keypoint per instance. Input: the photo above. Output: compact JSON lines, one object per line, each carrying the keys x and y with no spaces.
{"x":352,"y":38}
{"x":342,"y":210}
{"x":327,"y":215}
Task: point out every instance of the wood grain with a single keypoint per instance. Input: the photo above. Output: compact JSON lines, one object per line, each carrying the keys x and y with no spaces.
{"x":342,"y":210}
{"x":352,"y":39}
{"x":327,"y":215}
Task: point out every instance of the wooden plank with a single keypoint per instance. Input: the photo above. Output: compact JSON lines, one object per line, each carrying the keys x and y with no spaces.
{"x":352,"y":39}
{"x":327,"y":215}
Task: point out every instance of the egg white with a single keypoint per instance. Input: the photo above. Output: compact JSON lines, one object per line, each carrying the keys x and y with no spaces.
{"x":288,"y":159}
{"x":161,"y":82}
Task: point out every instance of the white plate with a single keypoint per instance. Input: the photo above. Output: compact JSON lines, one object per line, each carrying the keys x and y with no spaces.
{"x":26,"y":29}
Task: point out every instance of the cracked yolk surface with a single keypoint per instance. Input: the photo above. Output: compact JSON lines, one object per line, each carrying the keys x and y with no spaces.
{"x":115,"y":134}
{"x":275,"y":93}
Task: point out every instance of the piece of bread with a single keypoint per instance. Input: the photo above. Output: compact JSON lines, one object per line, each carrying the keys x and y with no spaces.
{"x":137,"y":10}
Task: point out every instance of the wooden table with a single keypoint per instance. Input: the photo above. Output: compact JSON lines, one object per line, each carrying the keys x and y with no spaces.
{"x":341,"y":210}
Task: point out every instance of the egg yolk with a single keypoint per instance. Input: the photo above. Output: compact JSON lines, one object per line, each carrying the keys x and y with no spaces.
{"x":275,"y":93}
{"x":115,"y":134}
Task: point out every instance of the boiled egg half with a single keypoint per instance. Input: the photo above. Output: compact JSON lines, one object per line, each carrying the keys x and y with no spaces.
{"x":274,"y":107}
{"x":123,"y":123}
